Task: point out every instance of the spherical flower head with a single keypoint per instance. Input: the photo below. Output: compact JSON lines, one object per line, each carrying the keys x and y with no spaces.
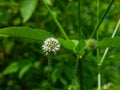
{"x":91,"y":43}
{"x":50,"y":45}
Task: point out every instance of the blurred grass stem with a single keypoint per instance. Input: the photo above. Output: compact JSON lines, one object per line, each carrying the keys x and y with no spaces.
{"x":97,"y":38}
{"x":113,"y":35}
{"x":49,"y":72}
{"x":101,"y":20}
{"x":56,"y":21}
{"x":104,"y":55}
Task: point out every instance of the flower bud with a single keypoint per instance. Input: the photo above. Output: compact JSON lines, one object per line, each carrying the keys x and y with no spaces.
{"x":91,"y":43}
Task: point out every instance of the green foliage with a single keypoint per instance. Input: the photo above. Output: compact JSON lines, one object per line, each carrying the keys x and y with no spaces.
{"x":24,"y":70}
{"x":25,"y":32}
{"x":67,"y":44}
{"x":13,"y":67}
{"x":110,"y":42}
{"x":27,"y":9}
{"x":24,"y":67}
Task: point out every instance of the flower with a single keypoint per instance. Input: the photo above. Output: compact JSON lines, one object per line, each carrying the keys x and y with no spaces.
{"x":50,"y":45}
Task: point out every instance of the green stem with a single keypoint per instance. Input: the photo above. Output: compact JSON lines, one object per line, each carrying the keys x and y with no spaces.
{"x":79,"y":73}
{"x":97,"y":10}
{"x":80,"y":32}
{"x":79,"y":69}
{"x":101,"y":20}
{"x":99,"y":80}
{"x":79,"y":65}
{"x":49,"y":72}
{"x":113,"y":35}
{"x":97,"y":34}
{"x":97,"y":38}
{"x":116,"y":28}
{"x":56,"y":21}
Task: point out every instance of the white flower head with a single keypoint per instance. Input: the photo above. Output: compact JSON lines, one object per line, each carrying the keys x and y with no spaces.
{"x":50,"y":45}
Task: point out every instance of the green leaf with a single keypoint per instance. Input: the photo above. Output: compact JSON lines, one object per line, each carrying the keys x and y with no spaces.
{"x":26,"y":32}
{"x":76,"y":42}
{"x":56,"y":75}
{"x":27,"y":9}
{"x":78,"y":45}
{"x":12,"y":68}
{"x":110,"y":42}
{"x":24,"y":70}
{"x":72,"y":45}
{"x":67,"y":44}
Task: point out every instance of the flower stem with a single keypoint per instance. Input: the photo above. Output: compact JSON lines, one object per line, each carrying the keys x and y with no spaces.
{"x":49,"y":72}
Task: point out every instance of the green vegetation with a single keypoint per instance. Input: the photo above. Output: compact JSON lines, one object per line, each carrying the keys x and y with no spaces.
{"x":89,"y":36}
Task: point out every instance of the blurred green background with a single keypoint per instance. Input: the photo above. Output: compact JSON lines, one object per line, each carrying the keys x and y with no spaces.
{"x":23,"y":66}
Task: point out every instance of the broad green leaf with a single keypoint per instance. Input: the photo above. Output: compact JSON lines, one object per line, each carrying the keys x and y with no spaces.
{"x":24,"y":70}
{"x":73,"y":45}
{"x":76,"y":42}
{"x":78,"y":45}
{"x":27,"y":9}
{"x":12,"y":68}
{"x":67,"y":44}
{"x":26,"y":32}
{"x":110,"y":42}
{"x":3,"y":35}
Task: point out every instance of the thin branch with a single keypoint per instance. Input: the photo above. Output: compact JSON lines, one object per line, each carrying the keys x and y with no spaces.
{"x":56,"y":21}
{"x":101,"y":20}
{"x":113,"y":35}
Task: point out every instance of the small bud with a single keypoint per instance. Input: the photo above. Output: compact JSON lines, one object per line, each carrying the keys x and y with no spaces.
{"x":91,"y":43}
{"x":108,"y":86}
{"x":51,"y":45}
